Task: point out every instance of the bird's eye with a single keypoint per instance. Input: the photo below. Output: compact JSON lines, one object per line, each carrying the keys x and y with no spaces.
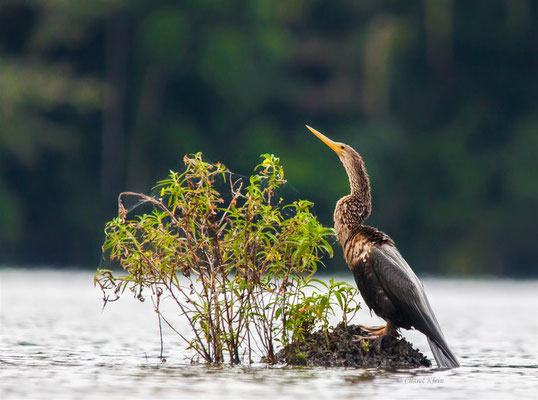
{"x":342,"y":147}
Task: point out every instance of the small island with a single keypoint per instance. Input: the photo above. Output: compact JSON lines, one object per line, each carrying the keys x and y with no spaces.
{"x":341,"y":348}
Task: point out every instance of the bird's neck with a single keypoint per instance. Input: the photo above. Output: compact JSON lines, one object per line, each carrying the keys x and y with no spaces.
{"x":349,"y":214}
{"x":353,"y":209}
{"x":359,"y":182}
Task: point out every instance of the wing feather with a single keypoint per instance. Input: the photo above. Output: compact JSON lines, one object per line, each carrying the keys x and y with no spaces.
{"x":407,"y":293}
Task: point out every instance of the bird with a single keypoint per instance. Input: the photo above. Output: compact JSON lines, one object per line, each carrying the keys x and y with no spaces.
{"x":385,"y":280}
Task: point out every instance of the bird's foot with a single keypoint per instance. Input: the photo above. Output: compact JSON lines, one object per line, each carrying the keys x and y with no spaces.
{"x":372,"y":329}
{"x":373,"y":332}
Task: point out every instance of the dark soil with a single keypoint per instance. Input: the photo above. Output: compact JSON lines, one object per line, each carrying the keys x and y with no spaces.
{"x":340,"y":348}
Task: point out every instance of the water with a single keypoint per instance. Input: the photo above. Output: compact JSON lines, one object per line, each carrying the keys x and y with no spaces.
{"x":56,"y":342}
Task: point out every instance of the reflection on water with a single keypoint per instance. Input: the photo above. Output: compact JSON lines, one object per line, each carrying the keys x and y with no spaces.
{"x":56,"y":342}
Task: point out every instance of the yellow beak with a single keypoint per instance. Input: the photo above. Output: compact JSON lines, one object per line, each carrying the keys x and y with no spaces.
{"x":333,"y":145}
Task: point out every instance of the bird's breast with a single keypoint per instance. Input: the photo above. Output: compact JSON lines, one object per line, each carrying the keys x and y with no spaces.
{"x":357,"y":250}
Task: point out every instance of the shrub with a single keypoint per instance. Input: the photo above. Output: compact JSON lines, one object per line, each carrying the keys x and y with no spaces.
{"x":239,"y":270}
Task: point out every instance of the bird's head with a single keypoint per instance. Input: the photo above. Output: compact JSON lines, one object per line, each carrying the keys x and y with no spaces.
{"x":349,"y":157}
{"x":353,"y":163}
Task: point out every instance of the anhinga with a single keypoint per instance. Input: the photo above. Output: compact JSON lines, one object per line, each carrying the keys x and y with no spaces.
{"x":386,"y":282}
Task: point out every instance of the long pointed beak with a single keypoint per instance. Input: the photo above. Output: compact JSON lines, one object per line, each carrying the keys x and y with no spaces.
{"x":333,"y":145}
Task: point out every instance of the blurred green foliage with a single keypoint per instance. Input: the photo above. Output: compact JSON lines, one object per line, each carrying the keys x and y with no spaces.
{"x":440,"y":98}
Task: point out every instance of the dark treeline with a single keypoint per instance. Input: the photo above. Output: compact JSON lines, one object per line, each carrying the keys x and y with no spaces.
{"x":440,"y":97}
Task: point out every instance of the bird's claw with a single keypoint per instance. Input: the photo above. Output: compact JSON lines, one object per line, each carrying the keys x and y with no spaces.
{"x":371,"y":328}
{"x":358,"y":338}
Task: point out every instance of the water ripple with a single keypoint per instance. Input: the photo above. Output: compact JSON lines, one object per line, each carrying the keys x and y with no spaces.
{"x":56,"y":342}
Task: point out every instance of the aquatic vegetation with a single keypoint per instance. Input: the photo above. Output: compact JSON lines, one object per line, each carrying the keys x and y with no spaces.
{"x":238,"y":262}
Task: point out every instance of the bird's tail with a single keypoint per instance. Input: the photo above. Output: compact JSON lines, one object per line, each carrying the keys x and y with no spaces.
{"x":442,"y":354}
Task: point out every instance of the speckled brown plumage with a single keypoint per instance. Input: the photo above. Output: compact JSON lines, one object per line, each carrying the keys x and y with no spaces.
{"x":386,"y":282}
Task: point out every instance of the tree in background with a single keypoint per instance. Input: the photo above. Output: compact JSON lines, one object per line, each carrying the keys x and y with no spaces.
{"x":439,"y":97}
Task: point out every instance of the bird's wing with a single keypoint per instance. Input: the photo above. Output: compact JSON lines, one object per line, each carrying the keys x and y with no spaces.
{"x":407,"y":293}
{"x":402,"y":286}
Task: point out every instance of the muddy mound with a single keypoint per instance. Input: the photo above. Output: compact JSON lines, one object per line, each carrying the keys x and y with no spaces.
{"x":341,"y":348}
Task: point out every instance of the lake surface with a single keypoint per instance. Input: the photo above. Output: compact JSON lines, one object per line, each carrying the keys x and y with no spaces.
{"x":56,"y":342}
